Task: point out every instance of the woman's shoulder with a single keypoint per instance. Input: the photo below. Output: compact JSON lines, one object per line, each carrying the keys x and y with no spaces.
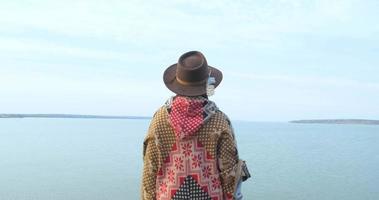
{"x":220,"y":122}
{"x":224,"y":117}
{"x":161,"y":113}
{"x":221,"y":117}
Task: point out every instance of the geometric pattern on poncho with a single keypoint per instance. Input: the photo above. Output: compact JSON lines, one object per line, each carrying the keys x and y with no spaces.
{"x":188,"y":158}
{"x":191,"y":190}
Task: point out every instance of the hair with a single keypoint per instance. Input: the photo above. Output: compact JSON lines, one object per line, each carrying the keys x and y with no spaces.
{"x":203,"y":95}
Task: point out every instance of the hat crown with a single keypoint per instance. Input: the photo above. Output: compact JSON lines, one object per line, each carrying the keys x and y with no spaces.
{"x":192,"y":67}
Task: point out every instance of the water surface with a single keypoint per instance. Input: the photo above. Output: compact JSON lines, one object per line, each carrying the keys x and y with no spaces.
{"x":101,"y":159}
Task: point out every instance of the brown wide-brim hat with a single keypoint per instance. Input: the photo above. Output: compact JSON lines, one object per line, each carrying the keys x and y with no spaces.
{"x":189,"y":76}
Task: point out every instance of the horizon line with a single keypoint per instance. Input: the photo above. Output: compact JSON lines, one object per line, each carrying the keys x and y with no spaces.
{"x":92,"y":116}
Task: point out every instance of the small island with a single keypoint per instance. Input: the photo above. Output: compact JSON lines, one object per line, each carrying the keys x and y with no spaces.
{"x":70,"y":116}
{"x":337,"y":121}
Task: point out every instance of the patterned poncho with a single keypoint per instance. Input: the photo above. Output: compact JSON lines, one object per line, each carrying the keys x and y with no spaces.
{"x":189,"y":152}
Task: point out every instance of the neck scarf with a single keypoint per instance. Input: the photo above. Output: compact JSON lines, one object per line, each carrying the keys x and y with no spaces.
{"x":187,"y":114}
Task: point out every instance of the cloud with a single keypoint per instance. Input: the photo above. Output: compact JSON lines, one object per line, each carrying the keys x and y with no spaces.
{"x":174,"y":20}
{"x":29,"y":48}
{"x":169,"y":25}
{"x":307,"y":81}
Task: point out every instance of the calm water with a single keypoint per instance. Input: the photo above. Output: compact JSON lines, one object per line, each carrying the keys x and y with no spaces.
{"x":97,"y":159}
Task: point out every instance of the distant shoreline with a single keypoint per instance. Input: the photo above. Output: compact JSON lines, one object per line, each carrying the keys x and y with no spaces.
{"x":70,"y":116}
{"x":337,"y":121}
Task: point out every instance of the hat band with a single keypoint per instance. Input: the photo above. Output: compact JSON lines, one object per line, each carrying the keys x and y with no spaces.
{"x":190,"y":83}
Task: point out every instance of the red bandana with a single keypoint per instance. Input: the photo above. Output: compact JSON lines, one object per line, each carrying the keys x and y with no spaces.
{"x":186,"y":116}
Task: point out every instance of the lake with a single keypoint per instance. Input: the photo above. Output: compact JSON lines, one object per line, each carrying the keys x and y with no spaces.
{"x":101,"y":159}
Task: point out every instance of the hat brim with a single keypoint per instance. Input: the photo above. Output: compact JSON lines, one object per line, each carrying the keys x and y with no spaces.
{"x":169,"y":78}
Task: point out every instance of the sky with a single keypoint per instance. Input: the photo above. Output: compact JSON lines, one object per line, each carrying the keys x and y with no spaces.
{"x":281,"y":60}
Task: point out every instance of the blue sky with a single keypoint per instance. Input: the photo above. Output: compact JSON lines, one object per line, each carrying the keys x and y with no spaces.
{"x":281,"y":60}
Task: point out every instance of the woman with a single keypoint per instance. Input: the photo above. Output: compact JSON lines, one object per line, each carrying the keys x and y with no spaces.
{"x":190,"y":150}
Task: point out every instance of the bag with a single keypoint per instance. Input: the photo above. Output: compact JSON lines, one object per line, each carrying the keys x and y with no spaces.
{"x":242,"y":170}
{"x":242,"y":175}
